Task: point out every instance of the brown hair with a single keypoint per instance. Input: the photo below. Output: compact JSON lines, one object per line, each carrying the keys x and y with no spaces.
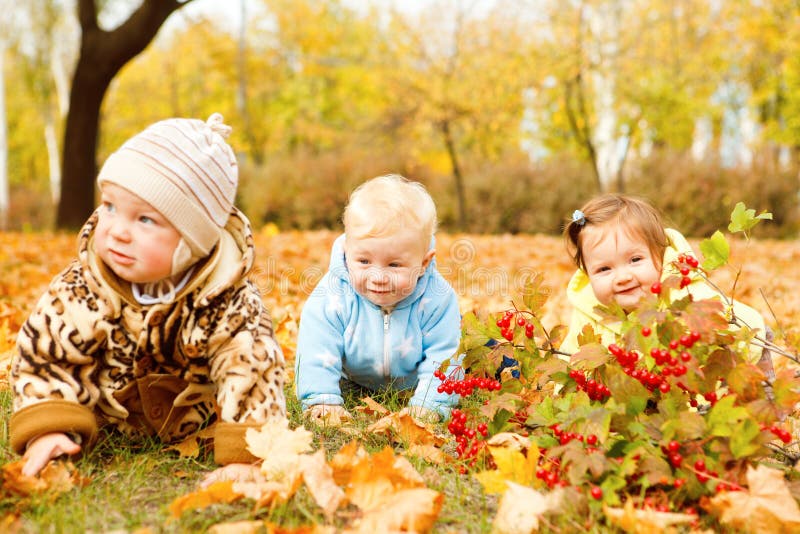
{"x":635,"y":214}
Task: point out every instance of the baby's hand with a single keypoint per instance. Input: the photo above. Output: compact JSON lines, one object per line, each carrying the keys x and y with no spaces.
{"x":328,"y":414}
{"x":44,"y":448}
{"x":423,"y":415}
{"x":234,"y":473}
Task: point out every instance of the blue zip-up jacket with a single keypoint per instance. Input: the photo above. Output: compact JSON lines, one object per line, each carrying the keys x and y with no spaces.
{"x":342,"y":334}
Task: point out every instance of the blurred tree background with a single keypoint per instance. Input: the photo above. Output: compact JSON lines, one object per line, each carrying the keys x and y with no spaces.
{"x":512,"y":112}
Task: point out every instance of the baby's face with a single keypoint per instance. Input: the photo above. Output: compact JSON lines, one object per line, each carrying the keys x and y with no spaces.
{"x":620,"y":266}
{"x":133,"y":238}
{"x":385,"y":270}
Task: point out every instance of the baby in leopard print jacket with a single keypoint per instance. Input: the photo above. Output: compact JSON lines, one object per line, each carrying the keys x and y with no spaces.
{"x":154,"y":328}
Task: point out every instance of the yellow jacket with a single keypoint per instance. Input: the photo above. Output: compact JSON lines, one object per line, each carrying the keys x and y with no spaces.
{"x":583,"y":300}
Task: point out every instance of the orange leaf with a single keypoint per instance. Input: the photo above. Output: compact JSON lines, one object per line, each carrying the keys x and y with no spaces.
{"x":375,"y":479}
{"x":218,"y":492}
{"x":56,"y":477}
{"x":405,"y":428}
{"x":318,"y":477}
{"x":371,"y":407}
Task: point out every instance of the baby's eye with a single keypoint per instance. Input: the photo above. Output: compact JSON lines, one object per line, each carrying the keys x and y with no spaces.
{"x":394,"y":264}
{"x":363,"y":261}
{"x":109,"y":207}
{"x":602,"y":269}
{"x":146,"y":220}
{"x":636,"y":258}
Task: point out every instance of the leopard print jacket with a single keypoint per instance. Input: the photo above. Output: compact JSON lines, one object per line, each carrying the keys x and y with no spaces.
{"x":90,"y":355}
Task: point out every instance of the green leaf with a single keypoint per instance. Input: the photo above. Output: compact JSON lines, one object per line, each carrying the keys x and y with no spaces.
{"x":474,"y":332}
{"x":743,"y":219}
{"x":744,"y":441}
{"x":534,"y":294}
{"x":627,"y":391}
{"x":724,"y":415}
{"x":716,"y":251}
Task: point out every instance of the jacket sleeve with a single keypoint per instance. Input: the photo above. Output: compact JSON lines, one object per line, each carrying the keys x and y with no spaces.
{"x":51,"y":372}
{"x":320,"y":346}
{"x":441,"y":333}
{"x":247,"y":364}
{"x":248,"y":369}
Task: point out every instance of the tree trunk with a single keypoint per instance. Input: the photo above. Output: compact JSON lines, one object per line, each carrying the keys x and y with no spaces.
{"x":457,"y":176}
{"x":102,"y":55}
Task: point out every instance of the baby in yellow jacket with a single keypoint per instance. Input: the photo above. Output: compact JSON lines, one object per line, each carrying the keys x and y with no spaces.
{"x":620,"y":246}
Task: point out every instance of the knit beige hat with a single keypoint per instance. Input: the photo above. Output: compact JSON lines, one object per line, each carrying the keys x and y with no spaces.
{"x":185,"y":170}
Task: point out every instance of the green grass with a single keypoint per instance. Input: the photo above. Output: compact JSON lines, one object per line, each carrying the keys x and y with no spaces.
{"x":132,"y":484}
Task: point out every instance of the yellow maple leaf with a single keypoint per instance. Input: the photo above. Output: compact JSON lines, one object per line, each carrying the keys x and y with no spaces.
{"x":647,"y":521}
{"x":521,"y":508}
{"x":411,"y":510}
{"x":218,"y":492}
{"x":279,"y":447}
{"x":767,"y":505}
{"x":512,"y":466}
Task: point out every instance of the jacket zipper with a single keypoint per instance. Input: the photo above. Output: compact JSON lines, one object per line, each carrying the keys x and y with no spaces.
{"x":387,"y":345}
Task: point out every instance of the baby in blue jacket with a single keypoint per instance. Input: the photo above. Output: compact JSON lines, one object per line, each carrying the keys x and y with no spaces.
{"x":382,"y":316}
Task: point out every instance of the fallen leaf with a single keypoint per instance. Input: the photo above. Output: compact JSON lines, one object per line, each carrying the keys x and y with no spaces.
{"x":345,"y":460}
{"x":188,"y":448}
{"x":521,"y":508}
{"x":404,"y":428}
{"x":11,"y":523}
{"x":318,"y":477}
{"x":411,"y":510}
{"x":279,"y":447}
{"x":265,"y":527}
{"x":375,"y":479}
{"x":509,"y":440}
{"x":429,"y":453}
{"x":371,"y":407}
{"x":56,"y":477}
{"x":218,"y":492}
{"x":647,"y":521}
{"x":767,"y":505}
{"x":512,"y":466}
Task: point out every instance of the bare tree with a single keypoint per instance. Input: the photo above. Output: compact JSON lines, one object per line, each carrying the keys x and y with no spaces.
{"x":102,"y":54}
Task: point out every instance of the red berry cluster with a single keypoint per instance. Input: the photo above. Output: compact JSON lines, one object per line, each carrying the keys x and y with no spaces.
{"x":673,"y":454}
{"x":670,"y":361}
{"x":686,"y":264}
{"x":466,"y":386}
{"x":781,"y":433}
{"x":550,"y":470}
{"x":469,"y":441}
{"x":512,"y":319}
{"x":565,"y":437}
{"x":596,"y":390}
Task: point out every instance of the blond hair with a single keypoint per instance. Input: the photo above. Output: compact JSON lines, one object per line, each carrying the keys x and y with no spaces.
{"x":635,"y":215}
{"x":387,"y":204}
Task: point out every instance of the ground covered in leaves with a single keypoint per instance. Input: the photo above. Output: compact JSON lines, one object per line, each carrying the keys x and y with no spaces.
{"x":386,"y":470}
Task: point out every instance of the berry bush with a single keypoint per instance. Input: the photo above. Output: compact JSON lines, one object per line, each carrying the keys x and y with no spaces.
{"x":669,"y":415}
